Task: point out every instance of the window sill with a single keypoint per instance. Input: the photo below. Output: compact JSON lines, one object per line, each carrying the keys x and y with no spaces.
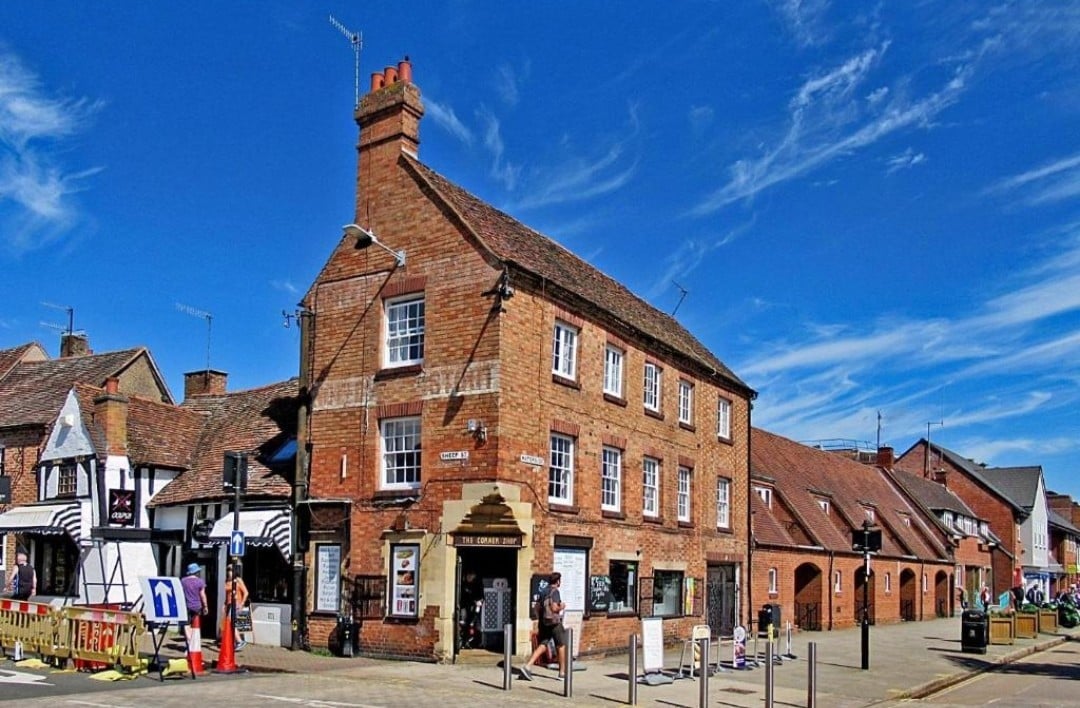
{"x":654,"y":414}
{"x":607,"y":514}
{"x":618,"y":614}
{"x":617,"y":400}
{"x":563,"y":508}
{"x":659,"y":520}
{"x":688,"y":426}
{"x":686,"y":524}
{"x":724,"y":440}
{"x":563,"y":381}
{"x":400,"y":495}
{"x":397,"y":372}
{"x":724,"y":530}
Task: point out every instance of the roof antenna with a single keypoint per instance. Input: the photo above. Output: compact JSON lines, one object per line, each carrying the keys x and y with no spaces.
{"x":356,"y":39}
{"x":195,"y":312}
{"x":70,"y":313}
{"x":926,"y":471}
{"x":684,"y":292}
{"x":879,"y":430}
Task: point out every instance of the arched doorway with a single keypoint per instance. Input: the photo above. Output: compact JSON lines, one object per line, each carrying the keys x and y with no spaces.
{"x":861,"y":586}
{"x":808,"y":597}
{"x":908,"y":592}
{"x":941,"y":594}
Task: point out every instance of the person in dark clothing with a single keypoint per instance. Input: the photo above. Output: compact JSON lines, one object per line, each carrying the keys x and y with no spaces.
{"x":23,"y":579}
{"x":551,"y":627}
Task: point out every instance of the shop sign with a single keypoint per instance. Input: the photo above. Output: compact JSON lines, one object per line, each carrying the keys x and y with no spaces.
{"x":404,"y":579}
{"x":122,"y":507}
{"x":479,"y":539}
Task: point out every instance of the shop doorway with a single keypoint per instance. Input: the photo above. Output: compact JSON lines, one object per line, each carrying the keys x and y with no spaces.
{"x":720,"y":608}
{"x":486,"y":597}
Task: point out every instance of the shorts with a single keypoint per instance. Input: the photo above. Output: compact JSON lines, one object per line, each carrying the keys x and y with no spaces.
{"x":554,"y":632}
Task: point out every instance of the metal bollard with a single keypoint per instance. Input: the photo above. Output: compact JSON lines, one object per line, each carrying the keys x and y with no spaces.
{"x":756,"y":633}
{"x":631,"y":697}
{"x":568,"y":677}
{"x":768,"y":675}
{"x":811,"y":681}
{"x":703,"y":674}
{"x":508,"y":653}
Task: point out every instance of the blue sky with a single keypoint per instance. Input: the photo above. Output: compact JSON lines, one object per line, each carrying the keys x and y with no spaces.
{"x":873,"y":207}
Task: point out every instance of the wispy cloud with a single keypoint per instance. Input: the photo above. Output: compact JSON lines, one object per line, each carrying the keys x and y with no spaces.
{"x":285,"y":286}
{"x":701,"y":117}
{"x":689,"y":255}
{"x":1052,"y":182}
{"x":36,"y":204}
{"x":904,"y":161}
{"x":501,"y":169}
{"x":804,"y":20}
{"x":507,"y":82}
{"x":445,"y":117}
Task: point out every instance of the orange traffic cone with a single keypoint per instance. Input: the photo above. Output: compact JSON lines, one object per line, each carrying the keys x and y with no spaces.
{"x":226,"y":663}
{"x":194,"y":653}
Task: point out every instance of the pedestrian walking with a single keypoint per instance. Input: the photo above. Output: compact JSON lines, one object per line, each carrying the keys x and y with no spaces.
{"x":194,"y":595}
{"x":23,"y":583}
{"x":550,"y":627}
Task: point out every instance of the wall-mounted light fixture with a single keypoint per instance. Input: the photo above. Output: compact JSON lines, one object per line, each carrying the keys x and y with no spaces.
{"x":364,"y":238}
{"x":477,"y":429}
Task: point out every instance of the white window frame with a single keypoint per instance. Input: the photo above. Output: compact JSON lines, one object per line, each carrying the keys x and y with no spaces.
{"x":838,"y":578}
{"x":765,"y":493}
{"x":650,"y":487}
{"x":686,"y":402}
{"x":925,"y":583}
{"x":723,"y":503}
{"x":871,"y":514}
{"x":723,"y":418}
{"x":410,"y":430}
{"x":397,"y":345}
{"x":685,"y":480}
{"x":564,"y":350}
{"x":824,"y":504}
{"x":652,"y":386}
{"x":611,"y":479}
{"x":613,"y":370}
{"x":773,"y":584}
{"x":888,"y":582}
{"x":561,"y":469}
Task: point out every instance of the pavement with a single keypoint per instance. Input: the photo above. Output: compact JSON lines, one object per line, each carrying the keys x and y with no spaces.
{"x":907,"y":660}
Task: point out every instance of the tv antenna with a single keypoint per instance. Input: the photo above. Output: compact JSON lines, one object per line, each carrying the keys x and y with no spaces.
{"x":356,"y":39}
{"x":683,"y":293}
{"x":926,"y":469}
{"x":70,"y":313}
{"x":195,"y":312}
{"x":879,"y":416}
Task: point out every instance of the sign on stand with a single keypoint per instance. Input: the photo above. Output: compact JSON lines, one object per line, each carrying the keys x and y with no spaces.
{"x":738,"y":648}
{"x":652,"y":650}
{"x":163,"y":600}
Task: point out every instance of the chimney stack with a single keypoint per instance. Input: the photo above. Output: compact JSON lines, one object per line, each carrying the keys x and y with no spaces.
{"x":941,"y":476}
{"x":208,"y":382}
{"x":885,"y":457}
{"x":110,"y":414}
{"x":74,"y":344}
{"x":389,"y":120}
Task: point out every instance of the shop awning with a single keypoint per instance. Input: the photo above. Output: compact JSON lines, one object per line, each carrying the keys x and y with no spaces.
{"x":262,"y":528}
{"x":48,"y":519}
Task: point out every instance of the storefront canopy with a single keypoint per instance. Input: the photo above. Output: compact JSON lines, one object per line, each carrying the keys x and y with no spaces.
{"x":48,"y":519}
{"x":262,"y":528}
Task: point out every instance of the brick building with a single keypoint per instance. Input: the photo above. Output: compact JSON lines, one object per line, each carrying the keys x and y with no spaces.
{"x":806,"y":504}
{"x":483,"y":400}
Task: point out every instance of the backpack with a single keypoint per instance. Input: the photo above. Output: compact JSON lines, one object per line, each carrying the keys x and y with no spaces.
{"x":539,"y":605}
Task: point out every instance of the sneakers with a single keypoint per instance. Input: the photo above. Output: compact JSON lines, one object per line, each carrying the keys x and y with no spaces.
{"x":240,"y":645}
{"x":525,"y":675}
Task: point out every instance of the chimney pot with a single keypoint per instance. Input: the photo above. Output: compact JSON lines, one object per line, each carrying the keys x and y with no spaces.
{"x":404,"y":70}
{"x":390,"y":75}
{"x":377,"y":81}
{"x":112,"y":385}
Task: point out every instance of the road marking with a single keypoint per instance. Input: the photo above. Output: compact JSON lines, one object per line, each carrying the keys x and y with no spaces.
{"x":95,"y":705}
{"x":23,"y":678}
{"x":312,"y":703}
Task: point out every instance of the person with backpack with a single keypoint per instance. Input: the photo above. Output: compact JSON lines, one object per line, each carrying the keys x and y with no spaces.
{"x":23,"y":579}
{"x":549,"y":611}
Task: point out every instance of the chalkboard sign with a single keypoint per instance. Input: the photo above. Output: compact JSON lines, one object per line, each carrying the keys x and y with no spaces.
{"x":599,"y":593}
{"x":536,"y":584}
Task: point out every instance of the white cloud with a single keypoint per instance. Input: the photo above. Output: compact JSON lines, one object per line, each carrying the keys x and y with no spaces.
{"x":446,"y":118}
{"x":507,"y":82}
{"x":690,"y":253}
{"x":501,"y":170}
{"x":1053,"y":182}
{"x":904,"y":161}
{"x":804,"y":20}
{"x":285,"y":286}
{"x":36,"y":204}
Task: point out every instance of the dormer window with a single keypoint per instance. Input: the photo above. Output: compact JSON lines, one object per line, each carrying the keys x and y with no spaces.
{"x":766,"y":495}
{"x":824,"y":505}
{"x":66,"y":480}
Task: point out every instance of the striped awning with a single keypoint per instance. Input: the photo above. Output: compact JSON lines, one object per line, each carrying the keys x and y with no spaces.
{"x":47,"y":519}
{"x":262,"y":528}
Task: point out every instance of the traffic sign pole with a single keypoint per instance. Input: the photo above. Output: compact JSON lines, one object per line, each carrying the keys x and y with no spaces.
{"x":227,"y":656}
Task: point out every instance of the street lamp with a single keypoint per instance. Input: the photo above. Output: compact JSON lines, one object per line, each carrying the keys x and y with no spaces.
{"x":365,"y":237}
{"x":867,"y":540}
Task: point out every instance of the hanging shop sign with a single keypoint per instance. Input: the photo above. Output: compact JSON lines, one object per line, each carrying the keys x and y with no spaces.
{"x":483,"y":539}
{"x":122,"y":507}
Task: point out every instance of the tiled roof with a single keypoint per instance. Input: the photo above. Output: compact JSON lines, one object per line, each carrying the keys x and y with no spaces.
{"x":34,"y":391}
{"x":1061,"y":522}
{"x":257,"y":421}
{"x":1020,"y":484}
{"x":10,"y":357}
{"x":969,"y":467}
{"x":934,"y":496}
{"x":804,"y":475}
{"x":159,"y":434}
{"x":514,"y":243}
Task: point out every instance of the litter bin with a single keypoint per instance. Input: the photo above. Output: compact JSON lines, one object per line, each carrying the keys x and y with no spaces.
{"x":974,"y":631}
{"x":764,"y":619}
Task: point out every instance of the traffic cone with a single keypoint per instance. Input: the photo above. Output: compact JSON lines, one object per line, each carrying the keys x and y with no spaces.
{"x":194,"y":654}
{"x":226,"y":663}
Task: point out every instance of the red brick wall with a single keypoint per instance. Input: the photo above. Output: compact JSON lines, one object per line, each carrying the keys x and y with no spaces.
{"x":21,"y":454}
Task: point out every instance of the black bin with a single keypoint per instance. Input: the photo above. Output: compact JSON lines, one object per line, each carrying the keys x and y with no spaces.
{"x":769,"y":615}
{"x":974,"y":631}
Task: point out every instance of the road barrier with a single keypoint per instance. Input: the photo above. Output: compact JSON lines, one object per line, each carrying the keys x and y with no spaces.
{"x":91,"y":637}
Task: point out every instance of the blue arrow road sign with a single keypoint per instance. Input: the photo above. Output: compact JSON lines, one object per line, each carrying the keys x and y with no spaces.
{"x":236,"y":543}
{"x":165,"y":605}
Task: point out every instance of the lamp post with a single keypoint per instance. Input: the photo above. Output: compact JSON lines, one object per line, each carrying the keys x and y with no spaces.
{"x":867,"y":540}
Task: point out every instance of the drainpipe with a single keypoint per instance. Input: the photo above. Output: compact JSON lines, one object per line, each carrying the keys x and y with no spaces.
{"x":749,"y":517}
{"x":829,"y":586}
{"x":300,"y":482}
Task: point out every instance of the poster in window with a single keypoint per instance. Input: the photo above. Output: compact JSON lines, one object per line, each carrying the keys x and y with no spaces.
{"x":328,"y":577}
{"x":404,"y":580}
{"x":573,"y":564}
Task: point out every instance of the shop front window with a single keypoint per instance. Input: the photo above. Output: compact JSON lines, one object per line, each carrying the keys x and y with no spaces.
{"x":624,"y":576}
{"x":667,"y":593}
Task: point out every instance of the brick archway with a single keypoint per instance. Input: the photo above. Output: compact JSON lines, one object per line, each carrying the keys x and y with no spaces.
{"x":808,"y":592}
{"x":941,"y":594}
{"x":908,"y":593}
